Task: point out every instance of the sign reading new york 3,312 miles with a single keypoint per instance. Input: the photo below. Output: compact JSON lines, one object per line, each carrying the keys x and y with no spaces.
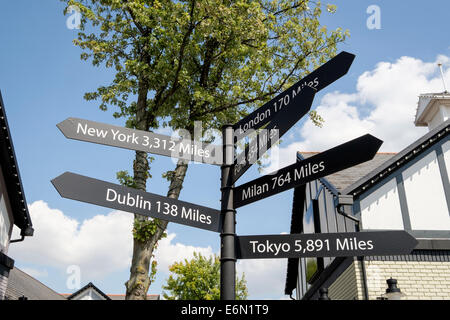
{"x":139,"y":140}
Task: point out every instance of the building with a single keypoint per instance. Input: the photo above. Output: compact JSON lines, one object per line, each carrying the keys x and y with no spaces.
{"x":408,"y":191}
{"x":23,"y":286}
{"x":91,"y":292}
{"x":13,"y":205}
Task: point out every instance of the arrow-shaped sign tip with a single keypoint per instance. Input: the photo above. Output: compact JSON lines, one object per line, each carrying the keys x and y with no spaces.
{"x":349,"y":55}
{"x":374,"y":143}
{"x":58,"y":182}
{"x":62,"y":126}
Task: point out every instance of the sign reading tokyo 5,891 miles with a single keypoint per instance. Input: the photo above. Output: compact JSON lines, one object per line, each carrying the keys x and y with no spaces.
{"x":347,"y":244}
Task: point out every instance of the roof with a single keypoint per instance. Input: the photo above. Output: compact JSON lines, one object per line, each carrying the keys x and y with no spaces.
{"x":425,"y":108}
{"x":342,"y":179}
{"x":122,"y":296}
{"x":86,"y":287}
{"x":436,"y":95}
{"x":400,"y":159}
{"x":22,"y":284}
{"x":106,"y":296}
{"x":11,"y":174}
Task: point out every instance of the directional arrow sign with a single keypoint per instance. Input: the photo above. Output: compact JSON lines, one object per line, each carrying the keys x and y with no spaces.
{"x":318,"y":79}
{"x":284,"y":120}
{"x":370,"y":243}
{"x":105,"y":194}
{"x":333,"y":160}
{"x":90,"y":131}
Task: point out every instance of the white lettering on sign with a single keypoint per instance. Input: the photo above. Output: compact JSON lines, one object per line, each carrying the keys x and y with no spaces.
{"x":283,"y":179}
{"x":193,"y":149}
{"x":254,"y":190}
{"x":283,"y":101}
{"x":259,"y":117}
{"x":347,"y":244}
{"x":93,"y":132}
{"x":180,"y":148}
{"x":129,"y":200}
{"x":122,"y":137}
{"x":161,"y":207}
{"x":309,"y":247}
{"x":308,"y":170}
{"x":269,"y":247}
{"x":195,"y":215}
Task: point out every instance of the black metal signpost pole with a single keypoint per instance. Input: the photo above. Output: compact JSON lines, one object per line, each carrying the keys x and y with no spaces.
{"x":228,"y":235}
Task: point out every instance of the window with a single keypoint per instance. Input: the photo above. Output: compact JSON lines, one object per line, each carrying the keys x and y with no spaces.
{"x":311,"y":224}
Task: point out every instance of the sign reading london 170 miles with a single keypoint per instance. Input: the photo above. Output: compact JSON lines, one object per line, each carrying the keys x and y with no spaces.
{"x":284,"y":110}
{"x":317,"y":80}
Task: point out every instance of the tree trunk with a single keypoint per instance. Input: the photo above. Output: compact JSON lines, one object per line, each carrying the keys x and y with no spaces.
{"x":138,"y":284}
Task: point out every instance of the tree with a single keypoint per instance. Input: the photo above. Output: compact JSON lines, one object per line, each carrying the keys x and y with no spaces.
{"x":199,"y":279}
{"x":177,"y":62}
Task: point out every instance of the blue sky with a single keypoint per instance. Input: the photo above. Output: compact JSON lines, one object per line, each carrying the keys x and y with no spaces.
{"x":43,"y":80}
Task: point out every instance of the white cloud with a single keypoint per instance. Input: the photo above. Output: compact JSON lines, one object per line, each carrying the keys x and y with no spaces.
{"x":99,"y":245}
{"x":102,"y":245}
{"x":265,"y":277}
{"x":383,"y":105}
{"x":168,"y":252}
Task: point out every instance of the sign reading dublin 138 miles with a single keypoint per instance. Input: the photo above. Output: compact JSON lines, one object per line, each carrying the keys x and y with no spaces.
{"x":114,"y":196}
{"x":101,"y":133}
{"x":370,"y":243}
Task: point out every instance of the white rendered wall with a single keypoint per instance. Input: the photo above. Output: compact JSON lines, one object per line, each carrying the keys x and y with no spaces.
{"x":381,"y":208}
{"x":425,"y":195}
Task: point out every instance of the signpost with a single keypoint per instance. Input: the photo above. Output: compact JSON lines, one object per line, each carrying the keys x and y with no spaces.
{"x":274,"y":112}
{"x":101,"y":133}
{"x":333,"y":160}
{"x":348,"y":244}
{"x":317,"y":80}
{"x":118,"y":197}
{"x":283,"y":121}
{"x":275,"y":117}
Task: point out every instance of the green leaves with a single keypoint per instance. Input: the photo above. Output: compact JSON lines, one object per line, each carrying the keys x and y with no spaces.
{"x":201,"y":60}
{"x":177,"y":62}
{"x":144,"y":229}
{"x":199,"y":279}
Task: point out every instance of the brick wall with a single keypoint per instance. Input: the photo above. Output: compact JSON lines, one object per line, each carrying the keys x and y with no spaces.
{"x":419,"y":280}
